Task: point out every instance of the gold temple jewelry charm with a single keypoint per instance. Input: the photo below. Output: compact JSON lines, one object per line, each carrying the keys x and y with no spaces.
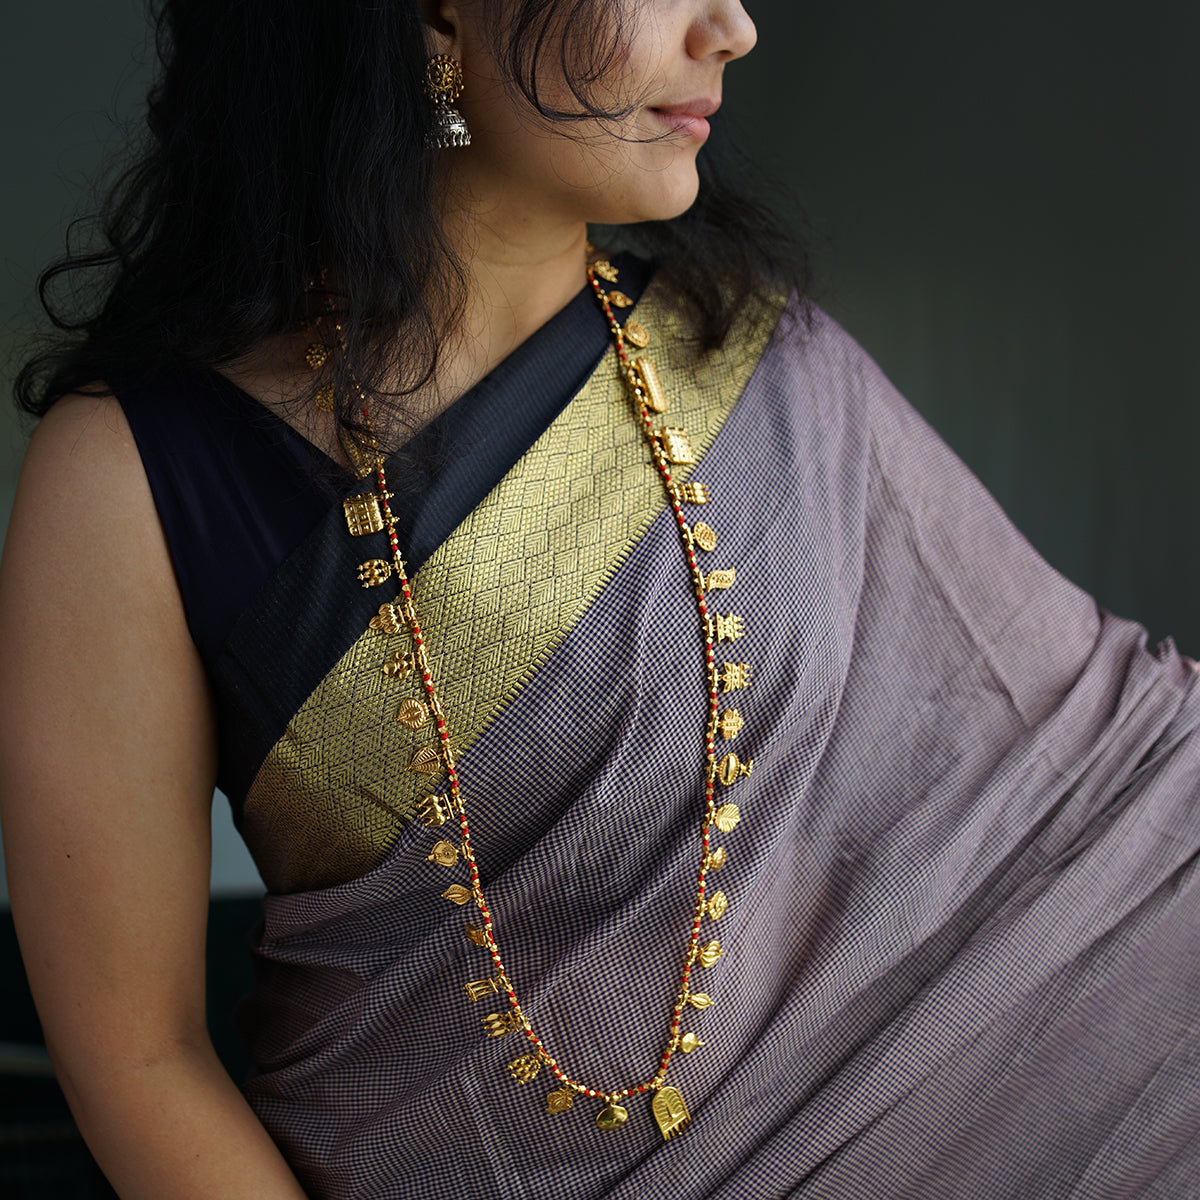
{"x":433,"y":812}
{"x":499,"y":1025}
{"x":704,"y":536}
{"x":656,"y":397}
{"x":717,"y":859}
{"x":637,"y":334}
{"x":689,"y":1042}
{"x":732,"y":769}
{"x":478,"y":988}
{"x":700,"y":1000}
{"x":373,"y":572}
{"x":363,"y":514}
{"x":389,"y":619}
{"x":400,"y":665}
{"x":670,"y":1112}
{"x":525,"y":1068}
{"x":476,"y":935}
{"x":730,"y":723}
{"x":612,"y":1116}
{"x":412,"y":713}
{"x":426,"y":761}
{"x":718,"y":903}
{"x":444,"y":853}
{"x":691,"y":493}
{"x":457,"y":894}
{"x":709,"y":953}
{"x":560,"y":1100}
{"x":605,"y":270}
{"x":726,"y":817}
{"x":677,"y":446}
{"x":619,"y":299}
{"x":735,"y":677}
{"x":728,"y":628}
{"x":720,"y":581}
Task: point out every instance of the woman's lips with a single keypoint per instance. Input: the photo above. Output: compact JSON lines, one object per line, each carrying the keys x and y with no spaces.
{"x":690,"y":119}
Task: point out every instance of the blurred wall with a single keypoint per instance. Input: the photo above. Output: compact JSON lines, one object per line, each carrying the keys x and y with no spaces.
{"x":1006,"y":199}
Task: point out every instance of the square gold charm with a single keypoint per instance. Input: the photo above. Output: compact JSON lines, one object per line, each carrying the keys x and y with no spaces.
{"x":362,"y":514}
{"x":677,"y":446}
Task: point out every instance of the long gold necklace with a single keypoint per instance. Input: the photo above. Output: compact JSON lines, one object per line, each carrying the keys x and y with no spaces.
{"x":668,"y":447}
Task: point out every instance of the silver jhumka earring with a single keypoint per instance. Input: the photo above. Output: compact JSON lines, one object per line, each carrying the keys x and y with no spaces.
{"x":444,"y":85}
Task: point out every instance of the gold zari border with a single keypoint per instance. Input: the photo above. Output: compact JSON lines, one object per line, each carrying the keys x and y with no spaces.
{"x":495,"y":600}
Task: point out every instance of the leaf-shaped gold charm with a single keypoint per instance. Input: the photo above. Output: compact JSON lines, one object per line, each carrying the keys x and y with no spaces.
{"x":457,"y":894}
{"x":605,"y":270}
{"x":619,"y":299}
{"x":412,"y":713}
{"x":717,"y":859}
{"x":700,"y":1000}
{"x":726,"y":817}
{"x":708,"y":954}
{"x":426,"y":761}
{"x":717,"y":905}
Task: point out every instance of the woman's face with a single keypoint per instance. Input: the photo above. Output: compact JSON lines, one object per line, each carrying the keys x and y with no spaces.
{"x":638,"y":168}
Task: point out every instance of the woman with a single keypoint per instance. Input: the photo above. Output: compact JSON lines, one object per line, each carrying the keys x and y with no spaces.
{"x":739,"y":807}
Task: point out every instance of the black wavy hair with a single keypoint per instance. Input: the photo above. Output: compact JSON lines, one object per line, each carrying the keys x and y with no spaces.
{"x":283,"y":138}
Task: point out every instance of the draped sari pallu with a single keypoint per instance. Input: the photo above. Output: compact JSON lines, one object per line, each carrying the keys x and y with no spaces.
{"x":961,"y":943}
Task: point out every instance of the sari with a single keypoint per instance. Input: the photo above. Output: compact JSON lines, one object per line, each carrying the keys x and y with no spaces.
{"x":960,"y":951}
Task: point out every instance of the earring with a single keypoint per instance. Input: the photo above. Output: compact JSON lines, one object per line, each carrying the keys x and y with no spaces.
{"x":444,"y":85}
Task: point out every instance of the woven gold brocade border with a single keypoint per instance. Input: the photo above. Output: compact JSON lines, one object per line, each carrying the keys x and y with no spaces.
{"x":495,"y":600}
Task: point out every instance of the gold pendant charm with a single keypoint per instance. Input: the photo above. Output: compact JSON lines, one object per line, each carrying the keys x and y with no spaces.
{"x":728,"y":628}
{"x":689,"y":1042}
{"x":700,"y":1000}
{"x":316,"y":356}
{"x":730,"y":723}
{"x":605,"y":270}
{"x":444,"y":853}
{"x":457,"y":894}
{"x":691,"y":493}
{"x":704,"y":536}
{"x":719,"y":581}
{"x":401,"y":664}
{"x":363,"y":514}
{"x":726,"y":817}
{"x":560,"y":1100}
{"x":325,"y":398}
{"x":413,"y":713}
{"x":669,"y":1111}
{"x":426,"y":761}
{"x":525,"y":1068}
{"x":619,"y":299}
{"x":709,"y":953}
{"x":612,"y":1116}
{"x":717,"y":859}
{"x":731,"y":770}
{"x":717,"y":905}
{"x":636,"y":333}
{"x":389,"y":620}
{"x":735,"y":677}
{"x":433,"y":812}
{"x":478,"y":988}
{"x":656,"y":398}
{"x":677,"y":446}
{"x":477,"y":936}
{"x":374,"y":572}
{"x":499,"y":1025}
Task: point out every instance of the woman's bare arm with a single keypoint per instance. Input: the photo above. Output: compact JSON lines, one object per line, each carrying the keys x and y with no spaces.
{"x":106,"y":777}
